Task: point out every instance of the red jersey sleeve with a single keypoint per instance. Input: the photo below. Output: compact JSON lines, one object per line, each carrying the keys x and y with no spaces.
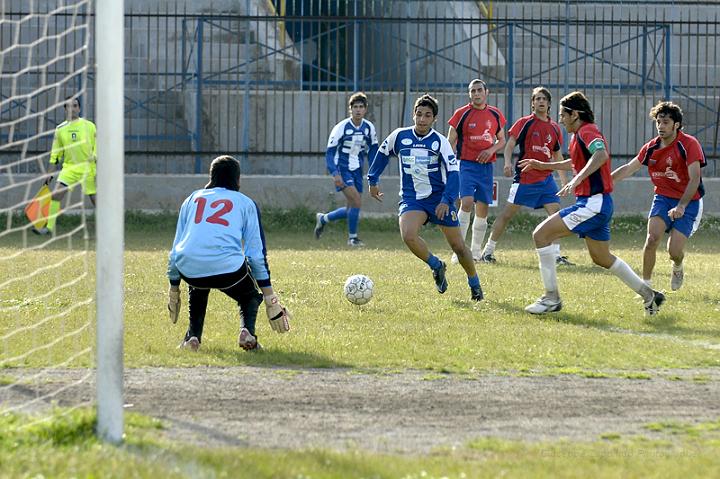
{"x":455,"y":119}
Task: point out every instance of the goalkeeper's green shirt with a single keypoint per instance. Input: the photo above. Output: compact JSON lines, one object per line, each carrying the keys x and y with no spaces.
{"x":74,"y":143}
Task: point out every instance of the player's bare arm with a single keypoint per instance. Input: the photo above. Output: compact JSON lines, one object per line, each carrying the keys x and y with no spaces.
{"x":529,"y":164}
{"x":507,"y":154}
{"x":690,"y":190}
{"x":557,"y":158}
{"x":627,"y":170}
{"x":596,"y":161}
{"x":452,"y":137}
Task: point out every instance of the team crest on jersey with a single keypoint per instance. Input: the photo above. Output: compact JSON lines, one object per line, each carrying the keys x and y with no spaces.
{"x":488,"y":124}
{"x":406,"y":141}
{"x":435,"y":145}
{"x":367,"y":131}
{"x":548,"y":139}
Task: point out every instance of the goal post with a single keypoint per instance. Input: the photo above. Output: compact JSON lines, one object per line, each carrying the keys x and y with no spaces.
{"x":110,"y":223}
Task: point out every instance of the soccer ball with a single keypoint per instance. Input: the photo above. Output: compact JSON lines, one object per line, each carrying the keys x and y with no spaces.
{"x":358,"y":289}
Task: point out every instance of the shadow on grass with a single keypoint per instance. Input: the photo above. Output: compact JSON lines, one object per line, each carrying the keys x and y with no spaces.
{"x":272,"y":358}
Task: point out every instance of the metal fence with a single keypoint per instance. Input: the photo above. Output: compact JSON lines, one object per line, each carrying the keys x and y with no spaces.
{"x":267,"y":80}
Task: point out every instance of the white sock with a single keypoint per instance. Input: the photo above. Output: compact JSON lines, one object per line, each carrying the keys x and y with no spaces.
{"x":548,"y":270}
{"x":489,"y":247}
{"x":648,"y":282}
{"x":557,"y":249}
{"x":464,"y":217}
{"x":478,"y":235}
{"x":621,"y":269}
{"x":677,"y":267}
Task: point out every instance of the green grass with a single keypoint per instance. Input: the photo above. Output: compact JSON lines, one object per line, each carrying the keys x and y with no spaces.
{"x":406,"y":325}
{"x":65,"y":446}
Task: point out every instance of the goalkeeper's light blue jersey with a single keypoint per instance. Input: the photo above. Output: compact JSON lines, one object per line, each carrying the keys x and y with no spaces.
{"x":427,"y":164}
{"x":348,"y":145}
{"x":216,"y":230}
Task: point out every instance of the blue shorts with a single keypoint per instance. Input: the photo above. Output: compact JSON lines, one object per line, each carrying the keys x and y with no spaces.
{"x":590,"y":216}
{"x":428,"y":206}
{"x":476,"y":180}
{"x":534,"y":195}
{"x":687,"y":224}
{"x":351,"y":178}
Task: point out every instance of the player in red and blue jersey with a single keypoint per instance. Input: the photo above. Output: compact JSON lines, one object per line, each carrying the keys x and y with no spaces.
{"x":590,"y":216}
{"x":476,"y":133}
{"x":350,"y":142}
{"x":539,"y":138}
{"x":219,"y":244}
{"x":428,"y":190}
{"x":674,"y":161}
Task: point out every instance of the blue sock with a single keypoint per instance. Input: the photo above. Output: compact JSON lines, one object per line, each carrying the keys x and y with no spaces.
{"x":434,"y":262}
{"x":335,"y":215}
{"x":353,"y":216}
{"x":474,"y":281}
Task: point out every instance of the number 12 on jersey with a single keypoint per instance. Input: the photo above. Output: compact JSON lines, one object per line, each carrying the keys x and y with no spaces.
{"x":221,"y":208}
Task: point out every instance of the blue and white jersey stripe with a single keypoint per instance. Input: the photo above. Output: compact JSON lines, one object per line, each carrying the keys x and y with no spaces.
{"x":425,"y":163}
{"x":349,"y":145}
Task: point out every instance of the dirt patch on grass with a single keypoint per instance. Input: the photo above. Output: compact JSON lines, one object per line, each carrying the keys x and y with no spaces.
{"x":409,"y":412}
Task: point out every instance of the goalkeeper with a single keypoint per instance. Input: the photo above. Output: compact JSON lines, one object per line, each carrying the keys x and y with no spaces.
{"x":219,"y":244}
{"x":74,"y":153}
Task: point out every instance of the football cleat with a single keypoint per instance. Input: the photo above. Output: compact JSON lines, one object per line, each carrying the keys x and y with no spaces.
{"x":42,"y":231}
{"x":487,"y":258}
{"x":652,"y":307}
{"x":355,"y":242}
{"x":192,"y":343}
{"x":676,"y":278}
{"x":319,"y":225}
{"x":476,"y":293}
{"x":563,"y":261}
{"x":544,"y":305}
{"x":246,"y":340}
{"x":439,"y":276}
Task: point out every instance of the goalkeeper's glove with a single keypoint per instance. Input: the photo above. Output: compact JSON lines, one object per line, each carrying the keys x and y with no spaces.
{"x":174,"y":304}
{"x":277,"y":314}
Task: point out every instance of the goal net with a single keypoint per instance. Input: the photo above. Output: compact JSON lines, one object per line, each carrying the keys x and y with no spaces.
{"x":47,"y":282}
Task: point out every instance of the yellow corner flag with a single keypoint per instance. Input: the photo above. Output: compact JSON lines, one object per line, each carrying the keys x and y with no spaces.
{"x":38,"y":208}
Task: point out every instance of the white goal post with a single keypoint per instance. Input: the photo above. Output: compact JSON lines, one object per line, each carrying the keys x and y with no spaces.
{"x":110,"y":224}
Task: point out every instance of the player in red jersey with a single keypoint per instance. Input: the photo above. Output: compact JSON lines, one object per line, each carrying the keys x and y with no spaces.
{"x":538,"y":137}
{"x":476,"y":134}
{"x":590,"y":216}
{"x":674,"y":161}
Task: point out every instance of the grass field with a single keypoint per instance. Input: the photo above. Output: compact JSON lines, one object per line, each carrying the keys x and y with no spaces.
{"x":600,"y":332}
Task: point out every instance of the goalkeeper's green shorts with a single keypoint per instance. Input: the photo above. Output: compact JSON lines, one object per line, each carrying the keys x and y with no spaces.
{"x":84,"y":174}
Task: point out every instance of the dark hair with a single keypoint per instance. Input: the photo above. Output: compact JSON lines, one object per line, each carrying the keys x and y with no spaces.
{"x":477,"y":80}
{"x":576,"y":101}
{"x":667,"y":108}
{"x":224,"y":173}
{"x":74,"y":96}
{"x":427,"y":100}
{"x":358,"y":97}
{"x":543,"y":90}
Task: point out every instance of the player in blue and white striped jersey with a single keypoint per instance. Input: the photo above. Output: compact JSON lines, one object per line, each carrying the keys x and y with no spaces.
{"x":428,"y":188}
{"x":219,"y":244}
{"x":350,"y":142}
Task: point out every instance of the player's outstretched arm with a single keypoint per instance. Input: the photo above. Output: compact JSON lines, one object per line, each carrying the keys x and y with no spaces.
{"x":627,"y":170}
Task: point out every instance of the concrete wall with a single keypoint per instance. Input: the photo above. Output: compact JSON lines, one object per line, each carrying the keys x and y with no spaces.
{"x":166,"y":193}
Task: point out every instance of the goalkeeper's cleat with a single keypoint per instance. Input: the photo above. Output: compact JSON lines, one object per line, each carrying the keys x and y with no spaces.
{"x":487,"y":258}
{"x":42,"y":231}
{"x":192,"y":343}
{"x":544,"y":305}
{"x":319,"y":225}
{"x":441,"y":282}
{"x":476,"y":293}
{"x":563,"y":261}
{"x":652,"y":307}
{"x":676,"y":278}
{"x":246,"y":340}
{"x":355,"y":242}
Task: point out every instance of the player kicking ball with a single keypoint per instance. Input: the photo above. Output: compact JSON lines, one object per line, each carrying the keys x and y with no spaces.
{"x":429,"y":186}
{"x":674,"y":161}
{"x":219,"y":244}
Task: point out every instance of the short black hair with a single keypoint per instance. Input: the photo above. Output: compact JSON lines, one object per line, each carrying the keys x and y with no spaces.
{"x":667,"y":108}
{"x":224,"y":173}
{"x":427,"y":100}
{"x":578,"y":102}
{"x":358,"y":97}
{"x":75,"y":96}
